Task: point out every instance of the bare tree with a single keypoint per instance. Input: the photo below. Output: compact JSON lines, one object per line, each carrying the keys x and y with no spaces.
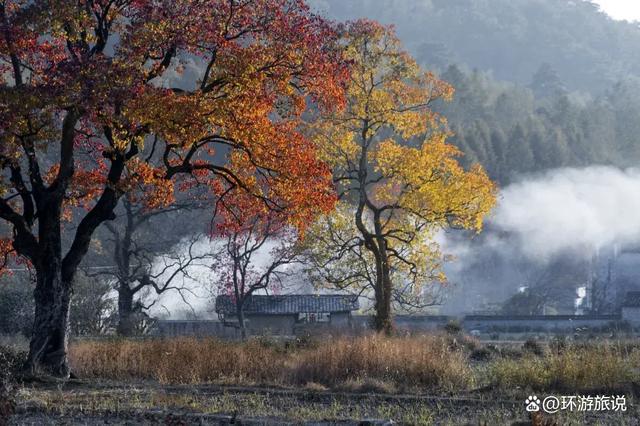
{"x":149,"y":258}
{"x":242,"y":273}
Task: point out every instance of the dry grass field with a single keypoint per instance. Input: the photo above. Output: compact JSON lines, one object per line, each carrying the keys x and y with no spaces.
{"x":426,"y":362}
{"x":433,"y":379}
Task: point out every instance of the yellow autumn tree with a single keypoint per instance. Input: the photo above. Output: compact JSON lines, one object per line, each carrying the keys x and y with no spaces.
{"x":398,"y":180}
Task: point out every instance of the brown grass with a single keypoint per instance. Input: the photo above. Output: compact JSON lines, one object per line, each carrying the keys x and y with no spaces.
{"x":180,"y":360}
{"x":427,"y":361}
{"x":393,"y":362}
{"x":577,"y":368}
{"x":363,"y":364}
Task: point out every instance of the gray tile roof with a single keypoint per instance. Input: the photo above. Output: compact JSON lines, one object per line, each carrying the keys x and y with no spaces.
{"x":290,"y":304}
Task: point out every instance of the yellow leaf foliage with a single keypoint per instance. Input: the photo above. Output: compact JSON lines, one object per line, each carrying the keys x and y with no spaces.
{"x":392,"y":165}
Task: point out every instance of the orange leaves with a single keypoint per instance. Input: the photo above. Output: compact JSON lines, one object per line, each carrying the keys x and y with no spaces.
{"x":148,"y":185}
{"x":263,"y":64}
{"x":143,"y":182}
{"x":178,"y":118}
{"x":173,"y":95}
{"x":301,"y":189}
{"x":85,"y":187}
{"x":9,"y":257}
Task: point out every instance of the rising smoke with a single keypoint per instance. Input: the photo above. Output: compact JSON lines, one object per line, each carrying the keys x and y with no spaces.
{"x":562,"y":216}
{"x":572,"y":209}
{"x":201,"y":281}
{"x":563,"y":212}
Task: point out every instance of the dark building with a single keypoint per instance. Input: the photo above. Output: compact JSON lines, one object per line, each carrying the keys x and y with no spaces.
{"x":281,"y":315}
{"x":631,"y":307}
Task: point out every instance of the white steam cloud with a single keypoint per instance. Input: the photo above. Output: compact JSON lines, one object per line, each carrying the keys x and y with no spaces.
{"x":546,"y":225}
{"x":199,"y":285}
{"x":537,"y":220}
{"x":571,"y":209}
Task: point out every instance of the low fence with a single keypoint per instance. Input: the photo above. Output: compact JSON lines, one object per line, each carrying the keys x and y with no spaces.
{"x":484,"y":324}
{"x":172,"y":328}
{"x":543,"y":323}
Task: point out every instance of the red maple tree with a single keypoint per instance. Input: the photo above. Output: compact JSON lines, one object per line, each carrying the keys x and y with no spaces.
{"x":93,"y":107}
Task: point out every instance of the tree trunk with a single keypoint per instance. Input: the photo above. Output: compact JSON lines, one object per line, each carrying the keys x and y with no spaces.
{"x":50,"y":335}
{"x":126,"y":315}
{"x":383,"y":321}
{"x":52,"y":295}
{"x":241,"y":322}
{"x":374,"y":241}
{"x":55,"y":273}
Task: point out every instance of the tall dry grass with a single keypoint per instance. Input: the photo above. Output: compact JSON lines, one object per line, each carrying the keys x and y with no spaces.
{"x":177,"y":361}
{"x":427,"y":362}
{"x":597,"y":367}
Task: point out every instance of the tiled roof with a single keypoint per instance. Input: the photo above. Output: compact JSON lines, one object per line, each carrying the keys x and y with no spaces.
{"x":631,"y":300}
{"x":290,"y":304}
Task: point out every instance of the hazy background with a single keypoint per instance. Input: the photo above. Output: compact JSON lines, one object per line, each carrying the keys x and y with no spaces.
{"x":548,"y":101}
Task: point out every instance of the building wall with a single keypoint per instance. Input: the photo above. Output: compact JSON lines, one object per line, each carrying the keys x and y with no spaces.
{"x":286,"y":325}
{"x":258,"y":325}
{"x":411,"y":323}
{"x":418,"y":323}
{"x":631,"y":315}
{"x":341,"y":319}
{"x":199,"y":328}
{"x":541,"y":323}
{"x":279,"y":325}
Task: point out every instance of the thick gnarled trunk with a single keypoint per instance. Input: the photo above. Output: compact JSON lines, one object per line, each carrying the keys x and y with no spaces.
{"x":52,"y":296}
{"x":55,"y":273}
{"x":50,"y":336}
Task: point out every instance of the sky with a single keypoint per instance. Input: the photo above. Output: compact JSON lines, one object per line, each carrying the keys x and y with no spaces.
{"x":621,"y":9}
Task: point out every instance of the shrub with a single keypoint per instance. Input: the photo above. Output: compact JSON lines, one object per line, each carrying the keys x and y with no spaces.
{"x":481,"y":354}
{"x":16,"y":305}
{"x":453,"y":327}
{"x":558,"y":344}
{"x":11,"y":361}
{"x":532,"y":346}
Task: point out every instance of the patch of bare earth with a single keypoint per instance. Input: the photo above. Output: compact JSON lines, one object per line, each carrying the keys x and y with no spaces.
{"x":94,"y":403}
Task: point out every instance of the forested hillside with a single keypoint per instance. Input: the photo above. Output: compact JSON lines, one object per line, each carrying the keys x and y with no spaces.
{"x":540,"y":84}
{"x":511,"y":131}
{"x":509,"y":38}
